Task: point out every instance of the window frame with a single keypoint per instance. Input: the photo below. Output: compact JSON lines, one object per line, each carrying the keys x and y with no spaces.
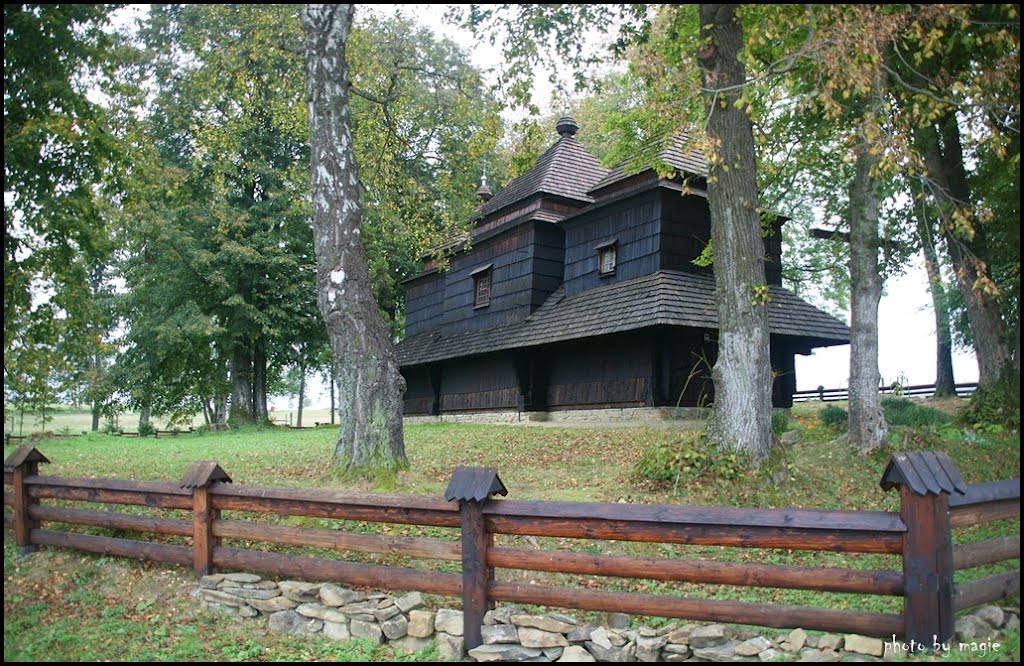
{"x":482,"y":277}
{"x":605,"y":249}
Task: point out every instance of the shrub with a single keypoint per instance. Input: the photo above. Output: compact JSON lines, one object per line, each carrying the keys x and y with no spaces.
{"x":689,"y":457}
{"x":903,"y":412}
{"x":995,"y":408}
{"x":835,"y":418}
{"x":146,"y":428}
{"x":780,"y":423}
{"x":110,"y":425}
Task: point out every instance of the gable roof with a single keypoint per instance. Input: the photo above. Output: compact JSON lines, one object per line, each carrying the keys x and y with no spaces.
{"x":674,"y":152}
{"x":566,"y":169}
{"x":664,"y":298}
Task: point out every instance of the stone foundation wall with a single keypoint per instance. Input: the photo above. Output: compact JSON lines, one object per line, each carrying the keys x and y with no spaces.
{"x":689,"y":417}
{"x":512,"y":634}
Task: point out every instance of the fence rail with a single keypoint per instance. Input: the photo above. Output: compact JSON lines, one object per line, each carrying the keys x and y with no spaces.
{"x":933,"y":502}
{"x":823,"y":394}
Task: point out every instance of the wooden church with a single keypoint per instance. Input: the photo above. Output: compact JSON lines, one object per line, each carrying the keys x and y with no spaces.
{"x":580,"y":292}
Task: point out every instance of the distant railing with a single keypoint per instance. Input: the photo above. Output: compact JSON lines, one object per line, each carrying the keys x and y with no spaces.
{"x":933,"y":500}
{"x":919,"y":391}
{"x":157,"y":433}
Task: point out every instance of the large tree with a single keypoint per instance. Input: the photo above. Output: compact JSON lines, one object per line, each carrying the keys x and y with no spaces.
{"x":216,"y":221}
{"x":58,"y":155}
{"x":370,"y":412}
{"x":867,"y":425}
{"x":742,"y":372}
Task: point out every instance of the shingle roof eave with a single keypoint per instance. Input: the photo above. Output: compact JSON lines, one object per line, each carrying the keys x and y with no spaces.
{"x":665,"y":298}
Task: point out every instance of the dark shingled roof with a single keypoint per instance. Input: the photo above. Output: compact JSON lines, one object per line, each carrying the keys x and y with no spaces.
{"x":675,"y":154}
{"x":924,"y":472}
{"x":665,"y":298}
{"x":565,"y":170}
{"x":474,"y":484}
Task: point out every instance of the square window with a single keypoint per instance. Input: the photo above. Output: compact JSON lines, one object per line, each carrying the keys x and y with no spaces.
{"x":606,"y":260}
{"x":482,"y":289}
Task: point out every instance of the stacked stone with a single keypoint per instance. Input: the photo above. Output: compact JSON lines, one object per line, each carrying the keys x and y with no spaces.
{"x":296,"y":607}
{"x":511,"y":634}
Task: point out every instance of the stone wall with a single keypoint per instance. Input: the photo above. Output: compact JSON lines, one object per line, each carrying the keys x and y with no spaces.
{"x":687,"y":417}
{"x":512,"y":634}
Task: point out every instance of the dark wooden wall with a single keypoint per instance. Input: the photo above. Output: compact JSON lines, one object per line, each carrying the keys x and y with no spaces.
{"x":686,"y":228}
{"x":664,"y":366}
{"x":424,"y":298}
{"x":635,"y":223}
{"x":511,"y":259}
{"x":784,"y":368}
{"x":548,"y":261}
{"x":420,"y":392}
{"x":480,"y":384}
{"x":683,"y":361}
{"x":612,"y":371}
{"x":656,"y":229}
{"x":773,"y":254}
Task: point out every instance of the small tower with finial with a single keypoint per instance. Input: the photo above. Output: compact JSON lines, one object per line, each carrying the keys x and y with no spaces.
{"x":483,"y":192}
{"x":566,"y":127}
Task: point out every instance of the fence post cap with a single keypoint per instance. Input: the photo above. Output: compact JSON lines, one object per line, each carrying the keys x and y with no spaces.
{"x":474,"y":484}
{"x":924,"y":472}
{"x":25,"y":453}
{"x":204,"y":473}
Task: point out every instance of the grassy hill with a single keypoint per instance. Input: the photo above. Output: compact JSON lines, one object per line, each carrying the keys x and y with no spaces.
{"x":63,"y":605}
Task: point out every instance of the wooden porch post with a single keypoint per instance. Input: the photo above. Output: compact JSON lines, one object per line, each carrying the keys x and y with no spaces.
{"x":199,"y":477}
{"x":23,"y":463}
{"x":925,"y":480}
{"x":471,"y":487}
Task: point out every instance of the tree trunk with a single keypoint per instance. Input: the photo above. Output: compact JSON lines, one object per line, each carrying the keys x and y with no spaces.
{"x":241,"y":386}
{"x":144,"y":415}
{"x":97,"y":407}
{"x":944,"y":164}
{"x":259,"y":383}
{"x":302,"y":395}
{"x":742,"y":373}
{"x":332,"y":398}
{"x":370,"y":438}
{"x":220,"y":411}
{"x":866,"y":419}
{"x":945,"y":384}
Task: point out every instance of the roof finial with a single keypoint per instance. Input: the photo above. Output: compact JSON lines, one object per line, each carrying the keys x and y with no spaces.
{"x":566,"y":126}
{"x":483,"y":192}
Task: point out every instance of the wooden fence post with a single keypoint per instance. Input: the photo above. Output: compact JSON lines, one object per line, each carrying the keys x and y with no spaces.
{"x":926,"y":479}
{"x":471,"y":487}
{"x":23,"y":462}
{"x":199,"y":477}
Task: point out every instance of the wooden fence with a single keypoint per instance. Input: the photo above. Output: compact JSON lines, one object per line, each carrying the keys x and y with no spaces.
{"x":823,"y":394}
{"x":933,"y":501}
{"x":157,"y":433}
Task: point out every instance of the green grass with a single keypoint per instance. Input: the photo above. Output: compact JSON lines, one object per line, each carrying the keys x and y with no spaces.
{"x":72,"y":606}
{"x":75,"y":421}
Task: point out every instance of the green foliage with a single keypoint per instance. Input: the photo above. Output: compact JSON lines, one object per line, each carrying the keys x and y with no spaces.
{"x":995,"y":408}
{"x":57,"y":150}
{"x":219,"y":262}
{"x":691,"y":456}
{"x":146,"y":428}
{"x":111,"y":425}
{"x":903,"y":412}
{"x":835,"y":418}
{"x":780,"y":422}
